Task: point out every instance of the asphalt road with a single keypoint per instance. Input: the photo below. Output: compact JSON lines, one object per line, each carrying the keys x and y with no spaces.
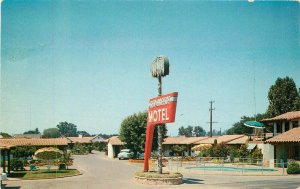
{"x":100,"y":172}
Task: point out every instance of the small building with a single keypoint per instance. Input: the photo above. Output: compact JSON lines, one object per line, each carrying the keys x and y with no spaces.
{"x":114,"y":146}
{"x":8,"y":143}
{"x":286,"y":141}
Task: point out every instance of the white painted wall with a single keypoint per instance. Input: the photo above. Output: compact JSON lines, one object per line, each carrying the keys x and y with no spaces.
{"x":268,"y":153}
{"x":110,"y":151}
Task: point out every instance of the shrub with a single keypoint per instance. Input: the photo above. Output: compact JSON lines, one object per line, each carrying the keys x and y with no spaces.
{"x":17,"y":164}
{"x":256,"y":154}
{"x":293,"y":168}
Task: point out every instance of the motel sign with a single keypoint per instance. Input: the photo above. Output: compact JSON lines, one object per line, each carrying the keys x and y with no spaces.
{"x":162,"y":109}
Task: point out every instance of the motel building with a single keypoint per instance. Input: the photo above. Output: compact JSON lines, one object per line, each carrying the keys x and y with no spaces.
{"x":285,"y":145}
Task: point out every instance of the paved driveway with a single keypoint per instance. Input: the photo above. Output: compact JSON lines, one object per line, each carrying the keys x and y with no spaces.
{"x":101,"y":172}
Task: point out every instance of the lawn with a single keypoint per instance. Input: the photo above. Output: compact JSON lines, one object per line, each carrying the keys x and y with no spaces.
{"x":44,"y":174}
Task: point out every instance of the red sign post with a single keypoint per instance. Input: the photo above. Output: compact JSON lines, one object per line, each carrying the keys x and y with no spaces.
{"x":162,"y":109}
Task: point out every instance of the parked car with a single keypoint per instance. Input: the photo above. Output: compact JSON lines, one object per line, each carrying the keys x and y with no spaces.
{"x":140,"y":155}
{"x":125,"y":154}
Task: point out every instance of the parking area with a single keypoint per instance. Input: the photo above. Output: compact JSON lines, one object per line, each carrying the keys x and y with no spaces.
{"x":98,"y":171}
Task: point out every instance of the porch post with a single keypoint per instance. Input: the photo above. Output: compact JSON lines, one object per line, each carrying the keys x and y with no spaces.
{"x":291,"y":125}
{"x":283,"y":127}
{"x":8,"y":162}
{"x":275,"y":128}
{"x":3,"y":156}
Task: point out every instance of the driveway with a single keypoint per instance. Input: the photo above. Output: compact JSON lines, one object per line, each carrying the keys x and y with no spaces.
{"x":101,"y":172}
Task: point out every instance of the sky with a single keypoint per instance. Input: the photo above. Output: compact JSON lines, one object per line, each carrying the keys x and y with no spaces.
{"x":88,"y":62}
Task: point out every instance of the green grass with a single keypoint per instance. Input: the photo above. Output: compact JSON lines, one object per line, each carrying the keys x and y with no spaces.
{"x":43,"y":174}
{"x":157,"y":175}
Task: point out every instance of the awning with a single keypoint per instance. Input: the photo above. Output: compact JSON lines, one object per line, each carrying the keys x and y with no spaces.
{"x":254,"y":124}
{"x":251,"y":146}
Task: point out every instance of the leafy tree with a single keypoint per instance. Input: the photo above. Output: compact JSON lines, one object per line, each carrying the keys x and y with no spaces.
{"x":5,"y":135}
{"x":297,"y":102}
{"x":83,"y":133}
{"x":51,"y":133}
{"x":190,"y":131}
{"x":133,"y":132}
{"x":67,"y":129}
{"x":36,"y":131}
{"x":199,"y":131}
{"x":283,"y":97}
{"x":178,"y":150}
{"x":181,"y":131}
{"x":219,"y":150}
{"x":240,"y":128}
{"x":23,"y":151}
{"x":257,"y":154}
{"x":243,"y":151}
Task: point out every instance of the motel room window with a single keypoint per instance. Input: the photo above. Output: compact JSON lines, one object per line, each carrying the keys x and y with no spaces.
{"x":286,"y":126}
{"x":279,"y":130}
{"x":295,"y":124}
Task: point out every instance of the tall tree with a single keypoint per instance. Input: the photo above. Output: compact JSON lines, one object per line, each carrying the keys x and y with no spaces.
{"x":51,"y":133}
{"x":297,"y":102}
{"x":67,"y":129}
{"x":282,"y":97}
{"x":133,"y":132}
{"x":198,"y":131}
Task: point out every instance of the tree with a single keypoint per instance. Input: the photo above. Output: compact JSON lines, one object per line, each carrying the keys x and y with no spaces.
{"x":240,"y":128}
{"x":188,"y":131}
{"x":51,"y":133}
{"x":133,"y":132}
{"x":67,"y":129}
{"x":5,"y":135}
{"x":178,"y":150}
{"x":297,"y":102}
{"x":36,"y":131}
{"x":181,"y":131}
{"x":283,"y":97}
{"x":199,"y":131}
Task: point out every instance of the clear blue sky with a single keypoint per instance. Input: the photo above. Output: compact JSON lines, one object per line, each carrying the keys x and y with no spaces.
{"x":88,"y":62}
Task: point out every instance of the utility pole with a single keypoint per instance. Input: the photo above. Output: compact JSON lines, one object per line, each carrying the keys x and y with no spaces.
{"x":210,"y":120}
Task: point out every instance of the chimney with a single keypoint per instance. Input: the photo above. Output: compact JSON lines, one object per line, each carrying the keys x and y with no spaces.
{"x":80,"y":136}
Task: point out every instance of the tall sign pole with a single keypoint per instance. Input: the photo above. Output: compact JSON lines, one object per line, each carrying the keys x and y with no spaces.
{"x":159,"y":69}
{"x":161,"y":110}
{"x":159,"y":134}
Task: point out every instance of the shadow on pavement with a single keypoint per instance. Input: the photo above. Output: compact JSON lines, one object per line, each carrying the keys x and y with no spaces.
{"x":11,"y":187}
{"x":192,"y":181}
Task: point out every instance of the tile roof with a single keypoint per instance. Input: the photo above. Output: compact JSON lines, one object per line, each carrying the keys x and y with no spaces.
{"x":34,"y":142}
{"x":114,"y":140}
{"x":292,"y":135}
{"x":5,"y":146}
{"x":220,"y":139}
{"x":182,"y":140}
{"x":81,"y":139}
{"x":241,"y":140}
{"x":286,"y":116}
